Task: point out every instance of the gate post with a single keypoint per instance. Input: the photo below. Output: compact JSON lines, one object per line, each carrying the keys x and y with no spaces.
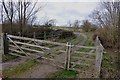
{"x":67,"y":57}
{"x":44,"y":35}
{"x":2,"y":46}
{"x":5,"y":43}
{"x":34,"y":35}
{"x":99,"y":54}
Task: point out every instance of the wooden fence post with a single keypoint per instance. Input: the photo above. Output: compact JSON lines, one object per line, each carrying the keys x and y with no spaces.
{"x":1,"y":44}
{"x":19,"y":33}
{"x":34,"y":35}
{"x":67,"y":57}
{"x":99,"y":54}
{"x":2,"y":47}
{"x":5,"y":43}
{"x":44,"y":35}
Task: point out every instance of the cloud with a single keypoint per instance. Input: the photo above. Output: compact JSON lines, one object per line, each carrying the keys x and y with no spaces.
{"x":64,"y":0}
{"x":64,"y":11}
{"x":71,"y":0}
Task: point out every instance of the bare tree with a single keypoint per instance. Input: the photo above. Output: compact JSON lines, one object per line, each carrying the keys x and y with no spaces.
{"x":107,"y":17}
{"x":9,"y":11}
{"x":27,"y":13}
{"x":86,"y":25}
{"x":69,"y":23}
{"x":107,"y":14}
{"x":1,"y":13}
{"x":50,"y":22}
{"x":76,"y":23}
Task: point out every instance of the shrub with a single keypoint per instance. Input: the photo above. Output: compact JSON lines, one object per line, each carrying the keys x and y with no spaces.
{"x":41,"y":32}
{"x":108,"y":37}
{"x":66,"y":34}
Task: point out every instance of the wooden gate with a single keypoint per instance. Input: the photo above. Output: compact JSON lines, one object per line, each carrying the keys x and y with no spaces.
{"x":31,"y":48}
{"x":93,"y":54}
{"x":34,"y":48}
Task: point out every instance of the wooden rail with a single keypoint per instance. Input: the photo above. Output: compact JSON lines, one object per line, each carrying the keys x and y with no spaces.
{"x":83,"y":52}
{"x":32,"y":45}
{"x":28,"y":49}
{"x":36,"y":40}
{"x":88,"y":47}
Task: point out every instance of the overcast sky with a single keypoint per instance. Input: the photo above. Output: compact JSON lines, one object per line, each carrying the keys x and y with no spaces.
{"x":65,"y":11}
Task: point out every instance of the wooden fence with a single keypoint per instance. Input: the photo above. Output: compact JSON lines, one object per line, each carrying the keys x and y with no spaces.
{"x":19,"y":45}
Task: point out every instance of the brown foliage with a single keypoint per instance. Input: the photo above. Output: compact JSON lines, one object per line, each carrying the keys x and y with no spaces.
{"x":109,"y":37}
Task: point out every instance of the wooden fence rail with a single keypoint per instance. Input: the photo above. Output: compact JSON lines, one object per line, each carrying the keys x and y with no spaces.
{"x":36,"y":40}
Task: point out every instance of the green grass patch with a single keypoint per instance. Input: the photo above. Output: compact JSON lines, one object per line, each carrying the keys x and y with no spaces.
{"x":65,"y":74}
{"x":110,"y":64}
{"x":77,"y":41}
{"x":89,"y":42}
{"x":19,"y":68}
{"x":8,"y":57}
{"x":109,"y":60}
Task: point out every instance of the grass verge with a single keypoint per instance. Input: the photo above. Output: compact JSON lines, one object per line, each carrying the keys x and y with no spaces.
{"x":65,"y":74}
{"x":19,"y":68}
{"x":109,"y":64}
{"x":89,"y":42}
